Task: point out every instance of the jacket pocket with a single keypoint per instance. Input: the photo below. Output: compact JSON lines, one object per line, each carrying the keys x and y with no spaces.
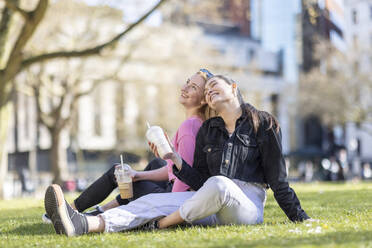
{"x":248,"y":151}
{"x":213,"y":155}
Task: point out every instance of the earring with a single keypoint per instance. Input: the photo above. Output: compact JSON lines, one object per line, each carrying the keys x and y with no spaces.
{"x":234,"y":88}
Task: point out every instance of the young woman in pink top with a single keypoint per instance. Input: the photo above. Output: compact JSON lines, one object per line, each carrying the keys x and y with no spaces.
{"x":157,"y":176}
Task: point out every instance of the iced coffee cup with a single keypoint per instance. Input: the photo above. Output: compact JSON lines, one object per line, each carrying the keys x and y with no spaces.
{"x":156,"y":136}
{"x":124,"y":180}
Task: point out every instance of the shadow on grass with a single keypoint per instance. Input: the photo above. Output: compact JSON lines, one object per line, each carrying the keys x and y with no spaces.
{"x":32,"y":229}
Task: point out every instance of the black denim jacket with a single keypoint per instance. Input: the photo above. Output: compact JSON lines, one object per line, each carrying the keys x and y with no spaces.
{"x":246,"y":156}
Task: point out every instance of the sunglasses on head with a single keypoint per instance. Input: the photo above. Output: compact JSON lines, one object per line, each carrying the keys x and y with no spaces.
{"x":207,"y":73}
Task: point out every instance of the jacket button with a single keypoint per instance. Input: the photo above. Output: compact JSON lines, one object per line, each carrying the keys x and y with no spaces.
{"x":209,"y":149}
{"x":227,"y":161}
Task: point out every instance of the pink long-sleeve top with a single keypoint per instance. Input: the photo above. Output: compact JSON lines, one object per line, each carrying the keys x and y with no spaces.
{"x":184,"y":143}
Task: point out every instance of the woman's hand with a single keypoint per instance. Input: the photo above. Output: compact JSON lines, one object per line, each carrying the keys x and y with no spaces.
{"x":154,"y":149}
{"x":175,"y":157}
{"x":134,"y":174}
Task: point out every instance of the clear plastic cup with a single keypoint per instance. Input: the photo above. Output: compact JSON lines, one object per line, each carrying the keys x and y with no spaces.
{"x":124,"y":180}
{"x":156,"y":136}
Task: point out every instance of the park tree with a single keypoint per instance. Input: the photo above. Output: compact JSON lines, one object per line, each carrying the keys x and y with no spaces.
{"x":339,"y":89}
{"x":18,"y":22}
{"x":57,"y":95}
{"x":58,"y":85}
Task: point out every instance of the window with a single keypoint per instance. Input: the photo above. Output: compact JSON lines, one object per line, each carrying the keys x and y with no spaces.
{"x":354,"y":16}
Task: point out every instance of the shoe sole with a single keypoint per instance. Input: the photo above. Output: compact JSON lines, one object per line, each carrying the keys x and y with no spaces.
{"x":55,"y":207}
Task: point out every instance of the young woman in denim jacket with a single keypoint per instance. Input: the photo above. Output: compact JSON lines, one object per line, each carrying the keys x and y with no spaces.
{"x":238,"y":154}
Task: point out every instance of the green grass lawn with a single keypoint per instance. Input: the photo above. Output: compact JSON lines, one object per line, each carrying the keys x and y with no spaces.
{"x":344,"y":212}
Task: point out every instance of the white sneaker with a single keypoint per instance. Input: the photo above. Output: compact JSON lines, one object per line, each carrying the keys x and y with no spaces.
{"x":46,"y":219}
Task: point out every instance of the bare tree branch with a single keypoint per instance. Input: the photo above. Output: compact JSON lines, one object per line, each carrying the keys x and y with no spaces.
{"x":9,"y":96}
{"x":4,"y":30}
{"x":43,"y":117}
{"x":94,"y":86}
{"x":64,"y":121}
{"x":13,"y":64}
{"x":89,"y":51}
{"x":114,"y":76}
{"x":56,"y":112}
{"x":11,"y":5}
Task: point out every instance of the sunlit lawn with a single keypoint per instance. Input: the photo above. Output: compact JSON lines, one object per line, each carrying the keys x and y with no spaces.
{"x":344,"y":212}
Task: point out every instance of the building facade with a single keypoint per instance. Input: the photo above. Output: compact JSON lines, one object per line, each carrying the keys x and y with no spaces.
{"x":358,"y":39}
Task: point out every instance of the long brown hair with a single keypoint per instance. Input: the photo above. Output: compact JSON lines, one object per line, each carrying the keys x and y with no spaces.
{"x":205,"y":112}
{"x":257,"y":117}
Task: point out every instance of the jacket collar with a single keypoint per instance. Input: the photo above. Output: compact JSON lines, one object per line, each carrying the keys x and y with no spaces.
{"x":219,"y":122}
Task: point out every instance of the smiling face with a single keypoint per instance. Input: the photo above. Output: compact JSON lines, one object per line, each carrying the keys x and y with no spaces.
{"x":217,"y":92}
{"x":192,"y":92}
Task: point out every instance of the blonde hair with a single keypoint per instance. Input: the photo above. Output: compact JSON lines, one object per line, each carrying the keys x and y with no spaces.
{"x":203,"y":75}
{"x":205,"y":112}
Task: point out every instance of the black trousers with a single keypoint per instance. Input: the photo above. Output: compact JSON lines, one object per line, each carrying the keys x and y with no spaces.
{"x":100,"y":189}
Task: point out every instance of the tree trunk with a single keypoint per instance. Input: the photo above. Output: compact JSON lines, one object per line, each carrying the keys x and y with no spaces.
{"x":5,"y":113}
{"x":58,"y":158}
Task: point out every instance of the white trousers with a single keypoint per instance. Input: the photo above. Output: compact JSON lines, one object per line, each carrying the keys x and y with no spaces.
{"x":220,"y":201}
